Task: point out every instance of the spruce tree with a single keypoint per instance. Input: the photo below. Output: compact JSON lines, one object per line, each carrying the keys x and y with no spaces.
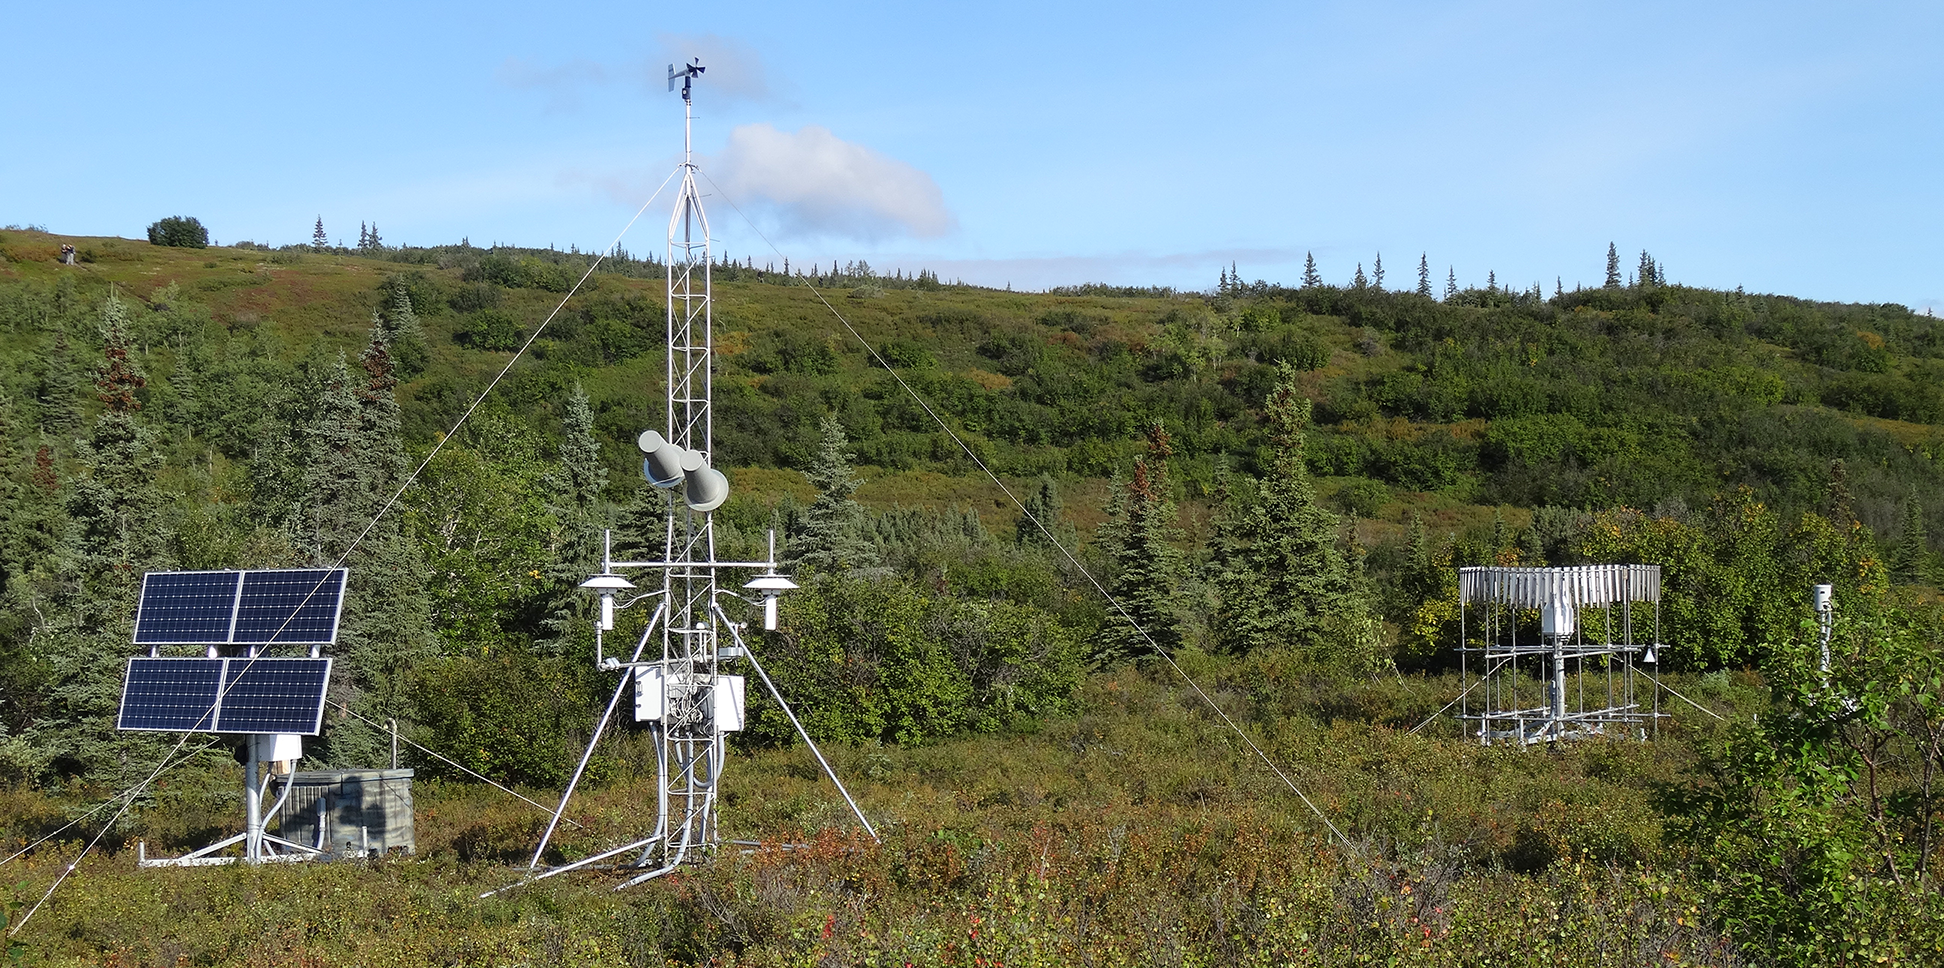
{"x":1311,"y":277}
{"x":828,"y":538}
{"x":1424,"y":275}
{"x":320,"y":241}
{"x":1648,"y":275}
{"x":1910,"y":556}
{"x":1613,"y":267}
{"x":119,"y":528}
{"x":1281,"y":577}
{"x":1358,"y":281}
{"x":1451,"y":282}
{"x":580,"y":507}
{"x":1377,"y":272}
{"x":59,"y":393}
{"x":1559,"y":286}
{"x":1147,"y":568}
{"x":1042,"y":506}
{"x":404,"y":337}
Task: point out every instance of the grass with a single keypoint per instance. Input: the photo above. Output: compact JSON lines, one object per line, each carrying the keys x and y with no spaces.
{"x":1136,"y":833}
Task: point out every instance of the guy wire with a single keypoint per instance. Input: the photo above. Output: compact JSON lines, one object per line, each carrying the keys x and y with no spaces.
{"x":1082,"y":569}
{"x":353,"y":546}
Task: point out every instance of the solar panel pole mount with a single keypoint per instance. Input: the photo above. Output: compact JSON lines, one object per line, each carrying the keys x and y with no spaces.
{"x":268,"y":702}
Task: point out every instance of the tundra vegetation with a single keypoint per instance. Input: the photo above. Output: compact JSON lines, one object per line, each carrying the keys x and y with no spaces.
{"x":1278,"y":483}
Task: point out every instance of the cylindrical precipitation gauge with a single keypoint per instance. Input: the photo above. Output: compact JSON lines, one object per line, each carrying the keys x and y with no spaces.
{"x":706,"y":488}
{"x":663,"y":467}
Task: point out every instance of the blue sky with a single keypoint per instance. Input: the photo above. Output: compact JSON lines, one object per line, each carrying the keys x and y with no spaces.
{"x":1783,"y":147}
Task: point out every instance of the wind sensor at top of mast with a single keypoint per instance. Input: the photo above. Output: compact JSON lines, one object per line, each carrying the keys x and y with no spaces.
{"x":687,"y":73}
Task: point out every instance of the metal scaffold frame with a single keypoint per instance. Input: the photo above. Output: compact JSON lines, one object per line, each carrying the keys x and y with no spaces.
{"x":1536,"y":689}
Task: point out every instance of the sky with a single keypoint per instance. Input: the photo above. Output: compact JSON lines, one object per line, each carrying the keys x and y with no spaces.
{"x":1782,"y":147}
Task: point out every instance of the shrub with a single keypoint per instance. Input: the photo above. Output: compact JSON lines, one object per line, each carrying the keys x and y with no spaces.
{"x":179,"y":231}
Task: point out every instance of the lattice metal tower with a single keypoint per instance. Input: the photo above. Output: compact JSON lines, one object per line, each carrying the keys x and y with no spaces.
{"x":1577,"y":676}
{"x":686,"y":698}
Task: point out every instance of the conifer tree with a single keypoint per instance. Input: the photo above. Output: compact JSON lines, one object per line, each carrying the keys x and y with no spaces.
{"x":320,"y":241}
{"x":1377,"y":272}
{"x":404,"y":337}
{"x":1491,"y":281}
{"x":579,"y":505}
{"x":1042,"y":506}
{"x":1559,"y":286}
{"x":1281,"y":576}
{"x":1451,"y":282}
{"x":1358,"y":281}
{"x":1424,"y":275}
{"x":1648,"y":275}
{"x":1311,"y":277}
{"x":119,"y":529}
{"x":59,"y":393}
{"x":1420,"y":571}
{"x":1613,"y":267}
{"x":1147,"y":567}
{"x":828,"y":538}
{"x":1910,"y":556}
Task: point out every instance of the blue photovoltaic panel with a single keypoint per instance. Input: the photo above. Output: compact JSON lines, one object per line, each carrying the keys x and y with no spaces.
{"x":295,"y":606}
{"x":274,"y":696}
{"x":170,"y":694}
{"x":237,"y":695}
{"x":186,"y":607}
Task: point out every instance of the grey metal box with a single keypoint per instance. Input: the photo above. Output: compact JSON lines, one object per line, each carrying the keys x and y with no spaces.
{"x":350,"y":813}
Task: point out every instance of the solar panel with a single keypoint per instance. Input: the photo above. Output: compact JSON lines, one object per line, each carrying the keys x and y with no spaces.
{"x":186,"y":607}
{"x":297,"y":605}
{"x":292,"y":606}
{"x":177,"y":695}
{"x":235,"y":695}
{"x":274,"y":696}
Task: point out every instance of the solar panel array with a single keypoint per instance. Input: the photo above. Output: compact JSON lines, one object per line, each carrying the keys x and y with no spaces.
{"x":292,"y":606}
{"x":234,"y":695}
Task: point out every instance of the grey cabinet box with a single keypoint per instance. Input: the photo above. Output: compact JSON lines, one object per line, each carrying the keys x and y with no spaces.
{"x":351,"y":813}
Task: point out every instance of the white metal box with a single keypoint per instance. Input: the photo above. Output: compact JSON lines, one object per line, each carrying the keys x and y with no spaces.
{"x":651,"y":694}
{"x":726,"y":703}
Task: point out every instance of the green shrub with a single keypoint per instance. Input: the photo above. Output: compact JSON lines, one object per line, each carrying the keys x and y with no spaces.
{"x":179,"y":231}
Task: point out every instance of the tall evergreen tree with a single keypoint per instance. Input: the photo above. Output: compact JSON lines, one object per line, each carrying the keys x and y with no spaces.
{"x":580,"y":507}
{"x":1042,"y":506}
{"x":1451,"y":282}
{"x":1649,"y":274}
{"x":320,"y":241}
{"x":1140,"y":538}
{"x":1358,"y":281}
{"x":1910,"y":556}
{"x":1377,"y":272}
{"x":1311,"y":277}
{"x":1282,"y":577}
{"x":829,"y":537}
{"x":119,"y":528}
{"x":1613,"y":267}
{"x":1424,"y":275}
{"x":59,"y":393}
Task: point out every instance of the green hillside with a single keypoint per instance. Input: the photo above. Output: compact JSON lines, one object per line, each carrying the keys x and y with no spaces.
{"x":1045,"y":780}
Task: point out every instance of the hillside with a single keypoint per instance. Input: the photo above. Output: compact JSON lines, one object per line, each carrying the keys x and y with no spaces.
{"x":1041,"y":774}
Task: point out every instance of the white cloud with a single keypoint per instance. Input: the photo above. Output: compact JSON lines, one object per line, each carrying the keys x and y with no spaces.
{"x":813,"y":183}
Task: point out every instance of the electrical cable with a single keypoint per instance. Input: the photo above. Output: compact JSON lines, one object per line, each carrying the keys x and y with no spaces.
{"x":1071,"y":559}
{"x":452,"y":763}
{"x":353,"y":546}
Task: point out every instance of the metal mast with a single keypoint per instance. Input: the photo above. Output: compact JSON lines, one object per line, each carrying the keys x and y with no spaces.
{"x":685,"y":698}
{"x":691,"y":747}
